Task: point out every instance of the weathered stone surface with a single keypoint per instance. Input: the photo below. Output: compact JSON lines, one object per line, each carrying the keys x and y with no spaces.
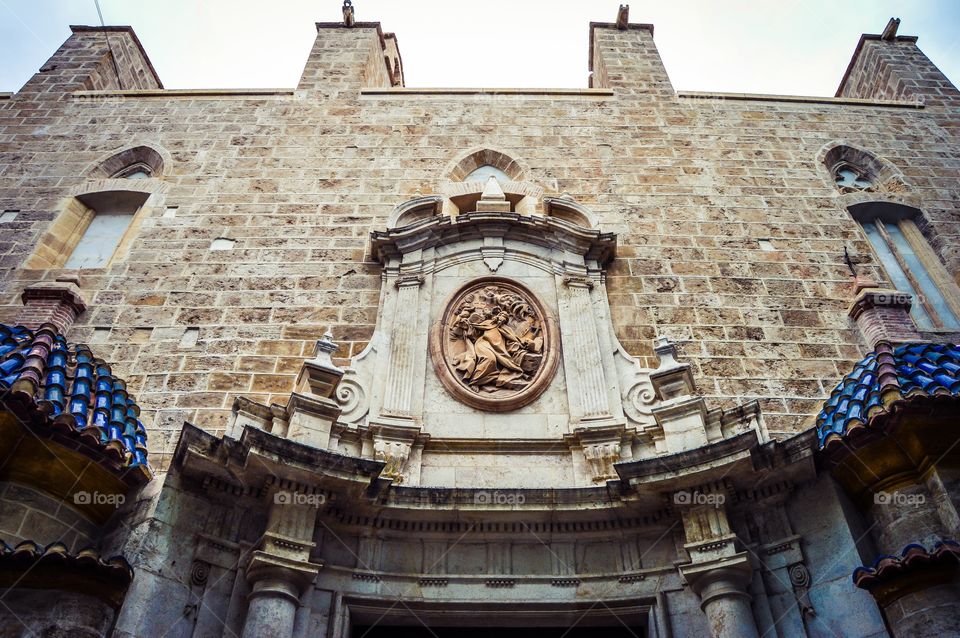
{"x":254,"y":242}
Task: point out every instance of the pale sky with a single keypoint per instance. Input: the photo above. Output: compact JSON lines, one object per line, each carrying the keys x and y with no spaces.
{"x":759,"y":46}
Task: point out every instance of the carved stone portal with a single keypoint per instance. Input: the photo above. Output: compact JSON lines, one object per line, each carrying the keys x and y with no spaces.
{"x":495,"y":346}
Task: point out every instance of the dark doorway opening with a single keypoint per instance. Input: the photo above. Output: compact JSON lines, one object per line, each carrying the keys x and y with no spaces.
{"x":496,"y":632}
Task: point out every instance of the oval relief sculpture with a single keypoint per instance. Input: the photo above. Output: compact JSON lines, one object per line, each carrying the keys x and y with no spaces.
{"x":495,"y":347}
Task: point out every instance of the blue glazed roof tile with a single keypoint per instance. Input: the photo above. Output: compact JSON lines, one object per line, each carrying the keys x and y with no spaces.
{"x":75,"y":392}
{"x":882,"y":378}
{"x":913,"y":557}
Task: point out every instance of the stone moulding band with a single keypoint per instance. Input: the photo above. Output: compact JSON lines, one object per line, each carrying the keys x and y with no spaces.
{"x":805,"y":99}
{"x":403,"y":91}
{"x":81,"y":95}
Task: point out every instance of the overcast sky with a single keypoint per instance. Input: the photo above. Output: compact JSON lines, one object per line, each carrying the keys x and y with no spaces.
{"x":798,"y":47}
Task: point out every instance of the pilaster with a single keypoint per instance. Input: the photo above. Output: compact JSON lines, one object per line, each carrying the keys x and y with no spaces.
{"x":883,"y":315}
{"x":718,"y":573}
{"x":281,"y":570}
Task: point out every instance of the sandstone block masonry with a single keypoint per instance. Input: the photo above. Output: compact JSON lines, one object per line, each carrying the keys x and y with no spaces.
{"x":297,"y":179}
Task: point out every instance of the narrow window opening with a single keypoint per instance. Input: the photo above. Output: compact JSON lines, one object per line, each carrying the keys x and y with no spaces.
{"x":8,"y":216}
{"x":171,"y":211}
{"x":100,"y":240}
{"x":91,"y":231}
{"x":910,"y":263}
{"x":896,"y":274}
{"x":222,"y":243}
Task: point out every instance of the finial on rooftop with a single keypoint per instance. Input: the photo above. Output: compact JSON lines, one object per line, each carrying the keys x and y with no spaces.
{"x":890,"y":31}
{"x":493,"y":199}
{"x":623,"y":16}
{"x":348,"y":18}
{"x":666,"y":351}
{"x":672,"y":379}
{"x":319,"y":376}
{"x":492,"y":189}
{"x":324,"y":349}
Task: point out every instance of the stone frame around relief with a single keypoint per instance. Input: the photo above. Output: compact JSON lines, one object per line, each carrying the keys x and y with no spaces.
{"x":451,"y":380}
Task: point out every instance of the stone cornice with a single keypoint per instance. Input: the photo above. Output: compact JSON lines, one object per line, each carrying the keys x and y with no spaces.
{"x":259,"y":458}
{"x":741,"y":460}
{"x":359,"y":492}
{"x":801,"y":99}
{"x":547,"y":232}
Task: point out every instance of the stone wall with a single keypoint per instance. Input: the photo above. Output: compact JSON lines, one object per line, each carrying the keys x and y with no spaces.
{"x":895,"y":69}
{"x":29,"y":514}
{"x":39,"y":612}
{"x":299,"y":179}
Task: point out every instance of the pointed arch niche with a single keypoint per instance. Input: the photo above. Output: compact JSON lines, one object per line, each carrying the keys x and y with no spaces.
{"x":468,"y":176}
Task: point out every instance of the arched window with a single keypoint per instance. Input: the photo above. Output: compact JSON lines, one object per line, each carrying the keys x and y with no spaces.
{"x":483,"y":173}
{"x":849,"y":177}
{"x":858,"y":170}
{"x":910,"y":263}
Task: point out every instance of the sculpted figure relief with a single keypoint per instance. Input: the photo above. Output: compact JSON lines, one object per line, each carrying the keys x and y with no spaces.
{"x":493,"y":342}
{"x":498,"y":340}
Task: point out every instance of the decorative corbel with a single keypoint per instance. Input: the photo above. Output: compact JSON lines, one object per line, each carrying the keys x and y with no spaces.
{"x":800,"y":580}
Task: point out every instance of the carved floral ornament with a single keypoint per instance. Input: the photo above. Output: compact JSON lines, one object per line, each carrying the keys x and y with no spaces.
{"x":495,"y":347}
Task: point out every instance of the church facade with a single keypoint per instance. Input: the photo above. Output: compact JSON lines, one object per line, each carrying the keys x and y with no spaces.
{"x":359,"y":359}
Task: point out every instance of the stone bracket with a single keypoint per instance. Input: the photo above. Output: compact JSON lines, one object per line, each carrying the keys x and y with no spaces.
{"x":393,"y":441}
{"x":603,"y":445}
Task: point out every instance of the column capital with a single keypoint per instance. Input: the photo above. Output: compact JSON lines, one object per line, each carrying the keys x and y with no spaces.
{"x":272,"y":575}
{"x":277,"y":583}
{"x":727,"y":576}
